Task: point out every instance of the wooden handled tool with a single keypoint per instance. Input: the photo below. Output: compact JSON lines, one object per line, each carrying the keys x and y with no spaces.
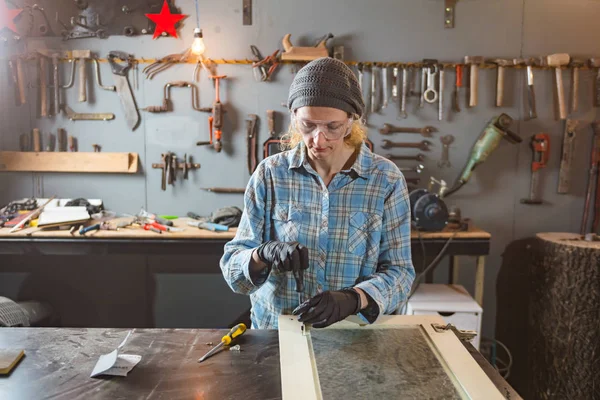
{"x":557,"y":61}
{"x":43,"y":75}
{"x":501,"y":63}
{"x":271,"y":122}
{"x":62,"y":140}
{"x":473,"y":62}
{"x":21,"y":81}
{"x":37,"y":140}
{"x":72,"y":144}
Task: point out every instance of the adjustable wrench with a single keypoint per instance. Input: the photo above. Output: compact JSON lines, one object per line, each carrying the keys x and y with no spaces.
{"x":564,"y":180}
{"x":423,"y":145}
{"x":418,"y":157}
{"x":425,"y":131}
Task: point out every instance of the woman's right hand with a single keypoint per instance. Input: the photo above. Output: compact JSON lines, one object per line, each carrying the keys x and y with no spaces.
{"x":284,"y":256}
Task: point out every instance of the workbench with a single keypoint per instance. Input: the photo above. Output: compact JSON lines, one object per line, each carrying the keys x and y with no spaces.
{"x":192,"y":241}
{"x":58,"y":363}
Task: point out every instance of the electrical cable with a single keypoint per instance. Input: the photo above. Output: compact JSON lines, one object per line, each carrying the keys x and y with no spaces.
{"x":427,"y":269}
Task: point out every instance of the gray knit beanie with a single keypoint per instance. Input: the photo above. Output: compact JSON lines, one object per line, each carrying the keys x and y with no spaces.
{"x":326,"y":82}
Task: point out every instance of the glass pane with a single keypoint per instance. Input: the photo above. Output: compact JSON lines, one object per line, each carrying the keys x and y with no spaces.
{"x":379,"y":364}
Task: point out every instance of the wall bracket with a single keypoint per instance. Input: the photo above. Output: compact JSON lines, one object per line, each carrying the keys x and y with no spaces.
{"x":449,"y":13}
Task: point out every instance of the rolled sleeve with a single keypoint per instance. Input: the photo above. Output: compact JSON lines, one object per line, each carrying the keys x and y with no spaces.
{"x":391,"y":284}
{"x":235,"y":262}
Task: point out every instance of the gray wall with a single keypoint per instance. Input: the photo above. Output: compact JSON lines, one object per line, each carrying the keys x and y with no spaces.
{"x":391,"y":30}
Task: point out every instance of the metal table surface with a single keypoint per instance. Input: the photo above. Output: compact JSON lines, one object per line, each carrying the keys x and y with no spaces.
{"x":59,"y":361}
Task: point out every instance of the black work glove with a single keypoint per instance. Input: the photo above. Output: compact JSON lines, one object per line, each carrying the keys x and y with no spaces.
{"x":285,"y":257}
{"x":328,"y":307}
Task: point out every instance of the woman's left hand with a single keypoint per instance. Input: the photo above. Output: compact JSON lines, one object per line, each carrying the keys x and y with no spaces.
{"x":328,"y":307}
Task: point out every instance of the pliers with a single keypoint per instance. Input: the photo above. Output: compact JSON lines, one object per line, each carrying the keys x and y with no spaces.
{"x":272,"y":61}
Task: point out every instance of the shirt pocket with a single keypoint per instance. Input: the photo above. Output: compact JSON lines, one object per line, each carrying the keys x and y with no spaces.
{"x":364,"y":232}
{"x":287,"y":218}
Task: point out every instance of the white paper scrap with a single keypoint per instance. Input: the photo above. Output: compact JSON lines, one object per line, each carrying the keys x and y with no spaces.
{"x":116,"y":364}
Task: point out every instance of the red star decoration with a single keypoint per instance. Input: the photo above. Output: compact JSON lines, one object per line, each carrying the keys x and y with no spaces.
{"x":7,"y":17}
{"x":165,"y":21}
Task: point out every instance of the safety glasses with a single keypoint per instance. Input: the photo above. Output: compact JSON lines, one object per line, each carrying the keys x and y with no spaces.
{"x":332,"y":130}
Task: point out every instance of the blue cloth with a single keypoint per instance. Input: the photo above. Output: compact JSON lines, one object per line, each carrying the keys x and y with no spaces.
{"x":357,"y":230}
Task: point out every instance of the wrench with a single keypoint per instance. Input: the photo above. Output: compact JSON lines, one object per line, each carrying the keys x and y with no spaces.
{"x":423,"y":145}
{"x":395,"y":85}
{"x":418,"y":157}
{"x":446,"y":142}
{"x":375,"y":88}
{"x":441,"y":98}
{"x":384,"y":79}
{"x":423,"y":86}
{"x":431,"y":95}
{"x":418,"y":169}
{"x":403,"y":113}
{"x":425,"y":131}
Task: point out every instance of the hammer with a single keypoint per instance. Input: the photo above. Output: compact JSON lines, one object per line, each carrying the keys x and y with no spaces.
{"x":81,"y":56}
{"x":556,"y":61}
{"x":474,"y":62}
{"x":501,"y":63}
{"x":595,"y":63}
{"x":576,"y":64}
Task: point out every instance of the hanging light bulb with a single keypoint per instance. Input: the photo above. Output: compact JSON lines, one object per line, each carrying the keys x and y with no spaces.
{"x":198,"y":46}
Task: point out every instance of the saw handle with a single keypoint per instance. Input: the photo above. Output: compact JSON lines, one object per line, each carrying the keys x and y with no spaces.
{"x":117,"y":68}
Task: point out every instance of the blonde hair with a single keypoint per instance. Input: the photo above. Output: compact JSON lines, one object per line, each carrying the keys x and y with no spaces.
{"x":357,"y":136}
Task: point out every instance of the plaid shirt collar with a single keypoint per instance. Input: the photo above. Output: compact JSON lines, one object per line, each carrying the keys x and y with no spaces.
{"x":362,"y":165}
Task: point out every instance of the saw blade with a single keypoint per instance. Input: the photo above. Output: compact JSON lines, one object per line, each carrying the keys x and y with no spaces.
{"x":127,"y":100}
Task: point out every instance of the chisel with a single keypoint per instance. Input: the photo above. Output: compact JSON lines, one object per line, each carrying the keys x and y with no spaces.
{"x":226,"y":340}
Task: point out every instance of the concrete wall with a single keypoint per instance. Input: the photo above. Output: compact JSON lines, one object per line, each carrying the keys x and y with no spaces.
{"x":382,"y":30}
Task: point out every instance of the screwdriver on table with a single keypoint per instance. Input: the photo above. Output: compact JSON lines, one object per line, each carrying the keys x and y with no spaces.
{"x":226,"y":340}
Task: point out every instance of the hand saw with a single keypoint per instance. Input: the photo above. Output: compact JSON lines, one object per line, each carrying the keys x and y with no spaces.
{"x":122,"y":84}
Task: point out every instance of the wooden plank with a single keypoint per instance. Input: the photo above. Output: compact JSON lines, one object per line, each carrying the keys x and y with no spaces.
{"x":299,"y":377}
{"x":91,"y":162}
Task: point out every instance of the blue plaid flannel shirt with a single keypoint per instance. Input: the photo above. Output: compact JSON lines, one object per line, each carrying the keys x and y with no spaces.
{"x":357,"y":230}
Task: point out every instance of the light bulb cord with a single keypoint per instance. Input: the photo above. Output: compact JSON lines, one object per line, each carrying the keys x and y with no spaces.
{"x":197,"y":15}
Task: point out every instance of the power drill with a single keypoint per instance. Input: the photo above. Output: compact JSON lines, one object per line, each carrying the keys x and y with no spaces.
{"x":496,"y":130}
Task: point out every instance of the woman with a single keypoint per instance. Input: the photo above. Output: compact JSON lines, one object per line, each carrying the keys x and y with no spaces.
{"x":327,"y":215}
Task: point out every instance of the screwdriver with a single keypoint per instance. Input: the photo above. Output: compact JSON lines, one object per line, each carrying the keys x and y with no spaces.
{"x":226,"y":340}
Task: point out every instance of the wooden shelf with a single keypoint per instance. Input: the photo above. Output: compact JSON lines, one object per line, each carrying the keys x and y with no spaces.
{"x":92,"y":162}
